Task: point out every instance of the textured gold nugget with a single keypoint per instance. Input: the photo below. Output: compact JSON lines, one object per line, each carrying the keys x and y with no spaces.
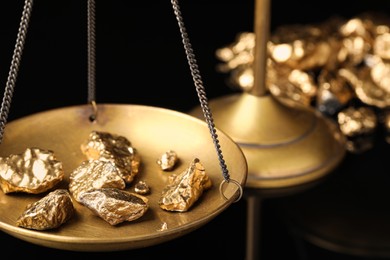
{"x":50,"y":212}
{"x":186,"y":188}
{"x":115,"y":148}
{"x":168,"y":160}
{"x":94,"y":174}
{"x":34,"y":171}
{"x":115,"y":206}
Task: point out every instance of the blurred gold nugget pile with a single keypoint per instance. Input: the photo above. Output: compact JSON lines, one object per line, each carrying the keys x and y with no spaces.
{"x":341,"y":67}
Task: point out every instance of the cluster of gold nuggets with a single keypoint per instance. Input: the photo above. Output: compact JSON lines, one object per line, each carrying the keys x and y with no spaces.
{"x":340,"y":66}
{"x":98,"y":183}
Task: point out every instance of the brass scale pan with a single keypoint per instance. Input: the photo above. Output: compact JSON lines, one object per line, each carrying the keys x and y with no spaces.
{"x":152,"y":131}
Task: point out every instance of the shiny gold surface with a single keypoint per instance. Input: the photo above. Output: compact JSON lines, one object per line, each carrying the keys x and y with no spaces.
{"x":115,"y":205}
{"x":357,"y":121}
{"x":186,"y":188}
{"x":153,"y":131}
{"x":33,"y":170}
{"x":142,"y":188}
{"x":284,"y":146}
{"x":94,"y":174}
{"x":113,"y":148}
{"x":49,"y":212}
{"x":168,"y":160}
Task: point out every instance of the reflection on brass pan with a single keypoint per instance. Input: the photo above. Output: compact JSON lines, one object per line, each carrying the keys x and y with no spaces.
{"x":49,"y":212}
{"x":185,"y":188}
{"x":341,"y":62}
{"x":114,"y":205}
{"x":151,"y":131}
{"x":34,"y":171}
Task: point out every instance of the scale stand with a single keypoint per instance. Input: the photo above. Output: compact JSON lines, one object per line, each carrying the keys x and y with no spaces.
{"x":151,"y":130}
{"x":286,"y":147}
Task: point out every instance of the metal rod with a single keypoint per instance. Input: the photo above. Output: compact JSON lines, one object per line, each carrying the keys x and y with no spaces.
{"x":253,"y":243}
{"x":261,"y":30}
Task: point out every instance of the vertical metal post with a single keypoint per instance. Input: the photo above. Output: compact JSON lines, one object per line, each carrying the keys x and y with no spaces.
{"x":261,"y":30}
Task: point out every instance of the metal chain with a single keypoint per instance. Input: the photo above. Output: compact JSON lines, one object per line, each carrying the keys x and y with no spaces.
{"x":91,"y":50}
{"x":15,"y":63}
{"x":199,"y":87}
{"x":92,"y":58}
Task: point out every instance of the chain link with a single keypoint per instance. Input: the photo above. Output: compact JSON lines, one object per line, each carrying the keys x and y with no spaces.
{"x":15,"y":64}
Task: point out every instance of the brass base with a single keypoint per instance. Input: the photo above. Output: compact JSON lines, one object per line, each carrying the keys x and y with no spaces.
{"x":284,"y":145}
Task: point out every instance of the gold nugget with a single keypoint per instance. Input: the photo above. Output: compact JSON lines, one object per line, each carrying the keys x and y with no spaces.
{"x":94,"y":174}
{"x":357,"y":121}
{"x":115,"y":206}
{"x":34,"y":171}
{"x":334,"y":92}
{"x":115,"y":148}
{"x":299,"y":46}
{"x":142,"y":188}
{"x":368,"y":91}
{"x":186,"y":188}
{"x":50,"y":212}
{"x":168,"y":160}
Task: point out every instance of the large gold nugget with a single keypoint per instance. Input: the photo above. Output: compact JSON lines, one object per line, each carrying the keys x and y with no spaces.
{"x":50,"y":212}
{"x":114,"y":148}
{"x":186,"y":188}
{"x":115,"y":206}
{"x":94,"y":174}
{"x":35,"y":171}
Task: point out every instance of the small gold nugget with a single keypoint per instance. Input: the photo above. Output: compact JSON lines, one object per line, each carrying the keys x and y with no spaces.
{"x":34,"y":171}
{"x":94,"y":174}
{"x":168,"y":160}
{"x":115,"y":206}
{"x":142,"y":188}
{"x":186,"y":188}
{"x":50,"y":212}
{"x":115,"y":148}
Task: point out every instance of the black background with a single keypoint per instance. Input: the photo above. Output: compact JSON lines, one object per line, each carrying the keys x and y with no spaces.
{"x":140,"y":59}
